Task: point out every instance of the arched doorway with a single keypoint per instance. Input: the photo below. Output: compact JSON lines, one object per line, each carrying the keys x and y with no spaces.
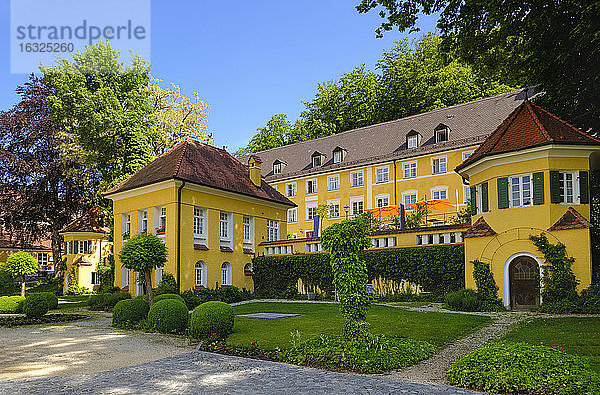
{"x":524,"y":273}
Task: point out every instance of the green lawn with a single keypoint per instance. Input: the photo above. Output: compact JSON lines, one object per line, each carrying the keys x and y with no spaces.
{"x":437,"y":328}
{"x":579,"y":336}
{"x":72,"y":301}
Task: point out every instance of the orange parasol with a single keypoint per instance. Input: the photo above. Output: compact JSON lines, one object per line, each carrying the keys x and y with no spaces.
{"x":434,"y":204}
{"x":387,"y":211}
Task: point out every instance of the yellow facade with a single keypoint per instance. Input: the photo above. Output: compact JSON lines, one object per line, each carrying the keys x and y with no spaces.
{"x":208,"y":249}
{"x":84,"y":263}
{"x":421,"y":182}
{"x":514,"y":225}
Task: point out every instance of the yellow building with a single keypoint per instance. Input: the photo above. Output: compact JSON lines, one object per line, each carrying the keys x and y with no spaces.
{"x":392,"y":163}
{"x":211,"y":211}
{"x":531,"y":175}
{"x":86,"y":245}
{"x":40,"y":249}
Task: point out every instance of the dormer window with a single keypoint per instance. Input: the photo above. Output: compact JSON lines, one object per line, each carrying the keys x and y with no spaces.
{"x":278,"y":166}
{"x":412,"y":139}
{"x":338,"y":154}
{"x":441,"y":133}
{"x":317,"y":159}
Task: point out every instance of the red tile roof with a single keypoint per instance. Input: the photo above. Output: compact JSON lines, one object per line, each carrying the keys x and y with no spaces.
{"x":15,"y":242}
{"x":528,"y":126}
{"x":480,"y":229}
{"x":91,"y":221}
{"x":571,"y":220}
{"x":201,"y":164}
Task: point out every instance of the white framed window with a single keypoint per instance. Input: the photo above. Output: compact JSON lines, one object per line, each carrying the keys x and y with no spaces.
{"x":382,"y":174}
{"x":439,"y":193}
{"x":124,"y":277}
{"x":479,"y":199}
{"x":290,"y":189}
{"x":438,"y":165}
{"x":409,"y":197}
{"x":158,"y":275}
{"x":382,"y":200}
{"x":248,"y":229}
{"x":160,"y":220}
{"x":272,"y":230}
{"x":82,"y":247}
{"x":569,"y":187}
{"x":311,"y":211}
{"x":292,"y":215}
{"x":226,"y":273}
{"x":95,"y":280}
{"x":43,"y":258}
{"x":466,"y":154}
{"x":441,"y":135}
{"x":337,"y":156}
{"x":142,"y":221}
{"x":125,"y":226}
{"x":333,"y":207}
{"x":316,"y":161}
{"x":412,"y":141}
{"x":200,"y":222}
{"x":466,"y":193}
{"x":357,"y":206}
{"x":311,"y":186}
{"x":200,"y":274}
{"x":520,"y":190}
{"x":410,"y":169}
{"x":333,"y":182}
{"x":225,"y":225}
{"x":356,"y":179}
{"x":277,"y":168}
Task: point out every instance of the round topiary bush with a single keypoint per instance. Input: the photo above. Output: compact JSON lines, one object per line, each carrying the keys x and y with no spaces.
{"x":168,"y":296}
{"x":11,"y":304}
{"x":35,"y":305}
{"x":51,"y":298}
{"x":129,"y":312}
{"x":98,"y":301}
{"x":113,"y":299}
{"x":168,"y":316}
{"x":212,"y":318}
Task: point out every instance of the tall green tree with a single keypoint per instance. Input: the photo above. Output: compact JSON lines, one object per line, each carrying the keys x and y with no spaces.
{"x":411,"y":78}
{"x":554,"y":44}
{"x":21,"y":264}
{"x":104,"y":108}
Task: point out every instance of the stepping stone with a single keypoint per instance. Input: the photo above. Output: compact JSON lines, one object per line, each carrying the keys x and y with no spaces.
{"x":268,"y":316}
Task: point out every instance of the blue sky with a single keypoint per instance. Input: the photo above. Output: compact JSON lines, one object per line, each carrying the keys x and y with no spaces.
{"x":247,"y":60}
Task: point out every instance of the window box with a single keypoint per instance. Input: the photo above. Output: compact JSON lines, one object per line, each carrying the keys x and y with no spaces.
{"x":200,"y":247}
{"x":160,"y":230}
{"x":126,"y":235}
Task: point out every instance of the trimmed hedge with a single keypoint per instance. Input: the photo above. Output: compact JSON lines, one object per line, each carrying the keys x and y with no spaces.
{"x":129,"y":312}
{"x":507,"y":367}
{"x":212,"y":318}
{"x":7,"y":285}
{"x":11,"y":304}
{"x":158,"y":298}
{"x":98,"y":301}
{"x":168,"y":316}
{"x":437,"y":269}
{"x":35,"y":305}
{"x":113,"y":299}
{"x":230,"y":294}
{"x":50,"y":297}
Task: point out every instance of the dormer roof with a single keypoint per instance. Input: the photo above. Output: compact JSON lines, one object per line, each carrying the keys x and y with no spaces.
{"x":92,"y":221}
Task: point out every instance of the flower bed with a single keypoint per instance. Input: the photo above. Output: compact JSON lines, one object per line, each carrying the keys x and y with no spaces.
{"x":21,"y":320}
{"x":218,"y":345}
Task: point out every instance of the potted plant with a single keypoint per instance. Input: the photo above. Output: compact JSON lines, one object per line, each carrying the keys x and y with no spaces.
{"x":160,"y":230}
{"x":126,"y":235}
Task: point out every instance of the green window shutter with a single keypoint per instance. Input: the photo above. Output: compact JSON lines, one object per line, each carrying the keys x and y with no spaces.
{"x":554,"y":187}
{"x":584,"y":188}
{"x":503,"y":192}
{"x":76,"y":247}
{"x":473,"y":201}
{"x":484,"y":197}
{"x":538,"y":188}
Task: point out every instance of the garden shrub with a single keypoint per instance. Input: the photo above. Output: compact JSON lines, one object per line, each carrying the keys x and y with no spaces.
{"x":74,"y":289}
{"x":129,"y":312}
{"x":50,"y":297}
{"x":507,"y":367}
{"x":113,"y":299}
{"x":589,"y":301}
{"x":437,"y":269}
{"x":230,"y":294}
{"x":98,"y":301}
{"x":168,"y":296}
{"x":35,"y":305}
{"x":48,"y":284}
{"x":374,"y":354}
{"x":168,"y":285}
{"x":168,"y":316}
{"x":212,"y":318}
{"x":7,"y":285}
{"x":11,"y":304}
{"x":463,"y":300}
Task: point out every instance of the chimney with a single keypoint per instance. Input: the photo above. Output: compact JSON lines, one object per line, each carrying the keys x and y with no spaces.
{"x":254,"y":165}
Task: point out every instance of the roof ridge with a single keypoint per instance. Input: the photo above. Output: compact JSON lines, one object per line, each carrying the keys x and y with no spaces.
{"x":178,"y":166}
{"x":575,"y":128}
{"x":537,"y":121}
{"x":397,"y":120}
{"x":504,"y":126}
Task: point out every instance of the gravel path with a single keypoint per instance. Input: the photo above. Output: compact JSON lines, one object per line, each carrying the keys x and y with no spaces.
{"x":434,"y":369}
{"x":199,"y":372}
{"x":78,"y":348}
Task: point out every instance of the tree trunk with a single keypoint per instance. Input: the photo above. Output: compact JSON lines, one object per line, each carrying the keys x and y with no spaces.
{"x":56,"y":252}
{"x":149,"y":287}
{"x":22,"y":285}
